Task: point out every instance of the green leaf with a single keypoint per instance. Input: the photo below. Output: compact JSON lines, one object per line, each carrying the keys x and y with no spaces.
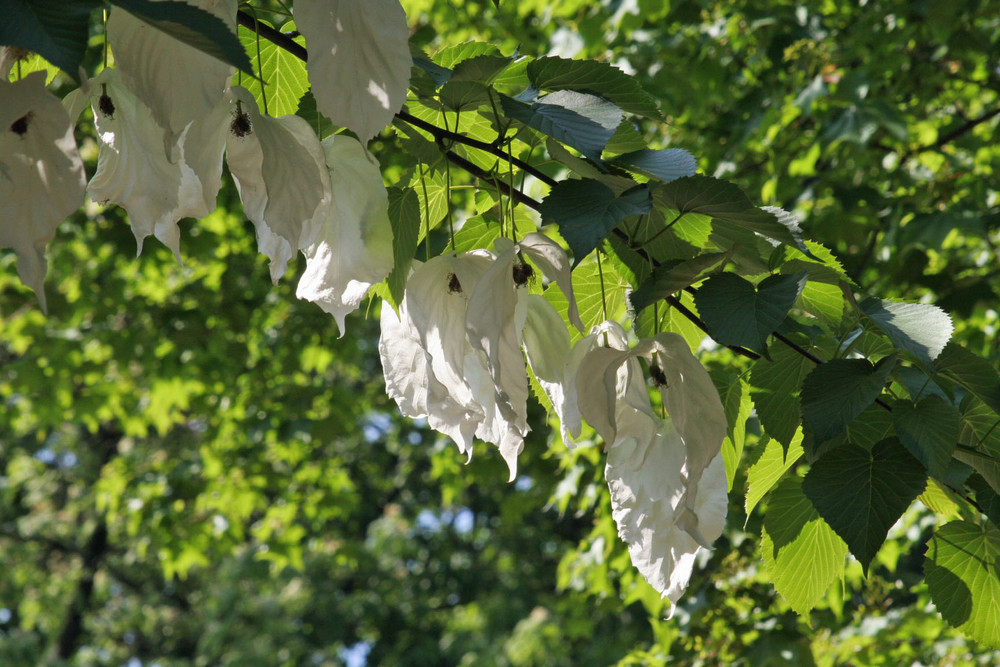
{"x":970,"y":371}
{"x":802,"y":553}
{"x":671,"y":277}
{"x":587,"y":210}
{"x":984,"y":464}
{"x":775,"y":386}
{"x":55,"y":29}
{"x":667,"y":164}
{"x":589,"y":75}
{"x":626,"y":139}
{"x":768,"y":470}
{"x":861,"y":493}
{"x":920,"y":329}
{"x":596,"y":300}
{"x":451,"y":56}
{"x":836,"y":392}
{"x":284,"y":76}
{"x":481,"y":69}
{"x":961,"y":571}
{"x":193,"y":26}
{"x":823,"y":300}
{"x":737,"y":313}
{"x":462,"y":95}
{"x":929,"y":429}
{"x":735,"y":396}
{"x":404,"y":215}
{"x":585,"y":122}
{"x":477,"y":232}
{"x":725,"y":203}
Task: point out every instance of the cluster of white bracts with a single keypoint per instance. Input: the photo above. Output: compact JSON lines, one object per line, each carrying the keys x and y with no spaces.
{"x":167,"y":115}
{"x":455,"y":354}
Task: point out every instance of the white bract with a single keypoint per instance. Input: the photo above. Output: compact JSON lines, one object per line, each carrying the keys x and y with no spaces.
{"x":41,"y":174}
{"x":467,"y":315}
{"x":282,"y":177}
{"x":135,"y":172}
{"x":177,"y":83}
{"x":667,"y":482}
{"x":353,"y":249}
{"x":359,"y":60}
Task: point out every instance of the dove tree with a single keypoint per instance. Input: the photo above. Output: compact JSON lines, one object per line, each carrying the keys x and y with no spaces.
{"x":539,"y":241}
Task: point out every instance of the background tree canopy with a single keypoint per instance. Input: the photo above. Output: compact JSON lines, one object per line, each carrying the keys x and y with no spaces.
{"x":196,"y":470}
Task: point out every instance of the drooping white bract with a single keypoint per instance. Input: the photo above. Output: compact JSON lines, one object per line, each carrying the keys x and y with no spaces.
{"x":41,"y":174}
{"x":281,"y":174}
{"x":667,"y":482}
{"x":353,"y":249}
{"x":467,"y":314}
{"x":410,"y":382}
{"x":646,"y":483}
{"x":177,"y":82}
{"x":424,"y":350}
{"x":359,"y":60}
{"x":135,"y":172}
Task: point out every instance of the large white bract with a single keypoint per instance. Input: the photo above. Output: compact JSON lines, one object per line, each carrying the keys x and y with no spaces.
{"x":359,"y":60}
{"x":281,"y":173}
{"x":178,"y":84}
{"x":41,"y":174}
{"x":134,"y":171}
{"x":353,"y":247}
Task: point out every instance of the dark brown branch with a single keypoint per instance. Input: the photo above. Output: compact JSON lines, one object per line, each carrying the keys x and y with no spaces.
{"x":964,"y":128}
{"x":270,"y":34}
{"x":441,"y":135}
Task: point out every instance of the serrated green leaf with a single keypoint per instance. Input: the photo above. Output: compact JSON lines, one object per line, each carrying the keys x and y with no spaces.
{"x":929,"y":429}
{"x":667,"y":164}
{"x":672,"y":277}
{"x":594,"y":297}
{"x":737,"y":313}
{"x":961,"y":572}
{"x":478,"y":232}
{"x":55,"y":29}
{"x":861,"y":493}
{"x":941,"y":500}
{"x":736,"y":402}
{"x":775,"y":386}
{"x":308,"y":111}
{"x":589,"y":75}
{"x":984,"y":464}
{"x":404,"y":215}
{"x":822,"y":300}
{"x":626,"y":139}
{"x":481,"y":69}
{"x":836,"y":392}
{"x":193,"y":26}
{"x":920,"y":329}
{"x":802,"y":553}
{"x":450,"y":56}
{"x":775,"y":460}
{"x":726,"y":204}
{"x":463,"y":95}
{"x":970,"y":371}
{"x":284,"y":75}
{"x":587,"y":210}
{"x":585,"y":122}
{"x":435,"y":74}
